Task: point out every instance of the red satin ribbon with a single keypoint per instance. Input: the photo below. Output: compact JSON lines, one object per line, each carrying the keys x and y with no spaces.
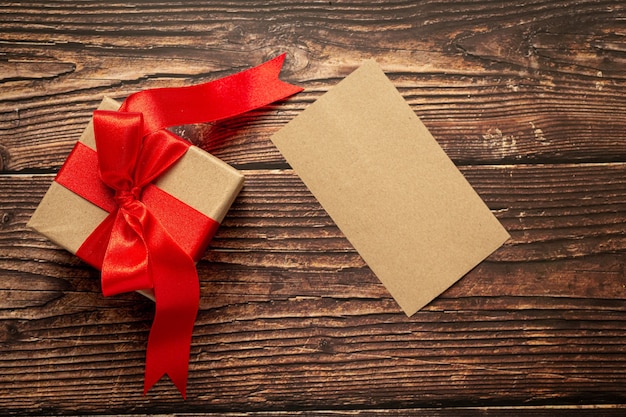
{"x":190,"y":228}
{"x":134,"y":247}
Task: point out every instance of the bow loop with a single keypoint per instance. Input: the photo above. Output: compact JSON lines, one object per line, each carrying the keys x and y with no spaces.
{"x":118,"y":142}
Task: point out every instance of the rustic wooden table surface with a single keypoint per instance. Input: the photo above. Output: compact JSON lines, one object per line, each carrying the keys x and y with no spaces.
{"x":527,"y":97}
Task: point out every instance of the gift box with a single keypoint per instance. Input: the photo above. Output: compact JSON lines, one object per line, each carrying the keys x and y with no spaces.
{"x":141,"y":204}
{"x":68,"y":219}
{"x":189,"y":210}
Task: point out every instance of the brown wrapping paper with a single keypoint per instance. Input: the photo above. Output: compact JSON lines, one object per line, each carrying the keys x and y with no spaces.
{"x":199,"y":179}
{"x":390,"y":188}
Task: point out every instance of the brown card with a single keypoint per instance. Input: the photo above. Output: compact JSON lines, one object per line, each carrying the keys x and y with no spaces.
{"x":390,"y":188}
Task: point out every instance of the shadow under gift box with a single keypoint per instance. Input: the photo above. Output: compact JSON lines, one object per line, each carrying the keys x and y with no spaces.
{"x":198,"y":179}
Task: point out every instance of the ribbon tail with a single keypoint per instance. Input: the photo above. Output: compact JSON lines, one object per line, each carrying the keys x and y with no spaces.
{"x":169,"y":344}
{"x":270,"y":87}
{"x":170,"y":340}
{"x":212,"y":101}
{"x":168,"y":348}
{"x":177,"y":295}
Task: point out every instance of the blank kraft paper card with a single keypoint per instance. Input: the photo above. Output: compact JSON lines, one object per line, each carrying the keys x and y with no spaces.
{"x":390,"y":188}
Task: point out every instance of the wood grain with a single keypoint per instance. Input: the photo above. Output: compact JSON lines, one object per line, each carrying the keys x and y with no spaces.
{"x":288,"y":306}
{"x":511,"y":82}
{"x":527,"y":97}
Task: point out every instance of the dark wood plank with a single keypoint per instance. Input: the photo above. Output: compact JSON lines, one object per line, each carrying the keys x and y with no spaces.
{"x":292,"y":319}
{"x":494,"y":82}
{"x":574,"y":411}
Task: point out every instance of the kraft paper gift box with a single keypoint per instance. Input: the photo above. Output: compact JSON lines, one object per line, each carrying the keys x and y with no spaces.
{"x":68,"y":219}
{"x":144,"y":206}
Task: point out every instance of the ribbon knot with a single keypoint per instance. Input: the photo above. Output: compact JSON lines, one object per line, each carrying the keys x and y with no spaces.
{"x":128,"y":198}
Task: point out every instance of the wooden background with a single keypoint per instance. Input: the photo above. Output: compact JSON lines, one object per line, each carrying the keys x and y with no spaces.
{"x":527,"y":97}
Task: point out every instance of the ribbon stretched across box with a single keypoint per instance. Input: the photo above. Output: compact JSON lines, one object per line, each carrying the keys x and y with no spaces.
{"x":136,"y":210}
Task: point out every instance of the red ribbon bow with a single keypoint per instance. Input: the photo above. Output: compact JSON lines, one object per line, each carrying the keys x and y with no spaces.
{"x":140,"y":253}
{"x":133,"y":248}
